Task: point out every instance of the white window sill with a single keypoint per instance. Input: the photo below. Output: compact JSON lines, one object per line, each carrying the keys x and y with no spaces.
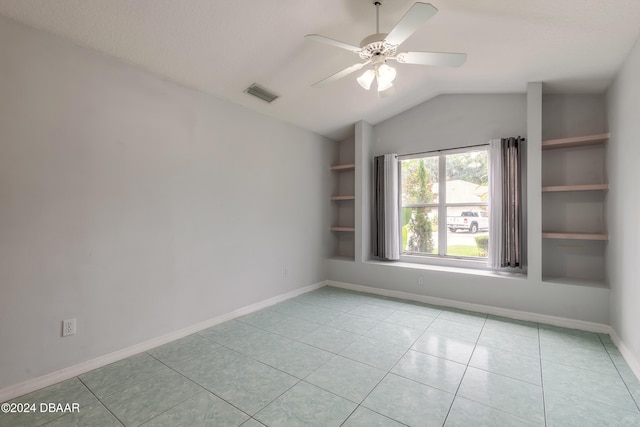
{"x":450,"y":269}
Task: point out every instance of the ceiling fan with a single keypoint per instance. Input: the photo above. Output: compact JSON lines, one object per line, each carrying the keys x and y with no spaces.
{"x":378,"y":48}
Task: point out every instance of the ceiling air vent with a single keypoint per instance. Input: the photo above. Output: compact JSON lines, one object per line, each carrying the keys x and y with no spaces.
{"x":260,"y":92}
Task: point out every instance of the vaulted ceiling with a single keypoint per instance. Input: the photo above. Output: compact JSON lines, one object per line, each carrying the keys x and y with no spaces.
{"x":222,"y":46}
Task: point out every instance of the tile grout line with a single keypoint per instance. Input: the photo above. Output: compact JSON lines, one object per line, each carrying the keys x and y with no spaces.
{"x":544,"y":400}
{"x":493,"y":373}
{"x":101,"y":402}
{"x":620,"y":375}
{"x":365,"y":398}
{"x":199,"y":385}
{"x":358,"y":405}
{"x":144,"y":353}
{"x":455,"y":395}
{"x":204,"y":390}
{"x":257,"y":360}
{"x":327,"y":361}
{"x":314,"y":370}
{"x":385,"y":376}
{"x":274,"y":399}
{"x":583,"y":369}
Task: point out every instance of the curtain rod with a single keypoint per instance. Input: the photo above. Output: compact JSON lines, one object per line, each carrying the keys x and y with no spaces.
{"x":443,"y":149}
{"x":455,"y":148}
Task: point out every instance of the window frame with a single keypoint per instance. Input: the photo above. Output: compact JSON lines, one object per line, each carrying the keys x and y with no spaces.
{"x":441,"y":258}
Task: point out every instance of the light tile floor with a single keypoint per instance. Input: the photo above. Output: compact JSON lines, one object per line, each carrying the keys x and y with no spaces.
{"x":338,"y":358}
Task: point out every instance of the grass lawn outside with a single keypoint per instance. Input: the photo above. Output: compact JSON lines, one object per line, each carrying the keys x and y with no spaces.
{"x":463,"y":250}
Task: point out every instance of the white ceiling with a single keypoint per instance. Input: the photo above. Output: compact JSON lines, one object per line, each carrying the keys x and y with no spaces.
{"x":222,"y":46}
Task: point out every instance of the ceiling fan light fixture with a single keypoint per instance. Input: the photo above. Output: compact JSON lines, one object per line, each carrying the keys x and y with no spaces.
{"x":366,"y":79}
{"x":384,"y":77}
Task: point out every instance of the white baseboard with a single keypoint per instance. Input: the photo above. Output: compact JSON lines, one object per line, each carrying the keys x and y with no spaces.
{"x":46,"y":380}
{"x":487,"y":309}
{"x":628,"y":356}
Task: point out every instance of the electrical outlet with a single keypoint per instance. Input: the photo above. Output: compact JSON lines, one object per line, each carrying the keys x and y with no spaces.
{"x":420,"y":280}
{"x":68,"y":327}
{"x":286,"y":272}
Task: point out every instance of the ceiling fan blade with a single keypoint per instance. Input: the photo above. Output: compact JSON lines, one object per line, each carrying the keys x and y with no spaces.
{"x":414,"y":18}
{"x":442,"y":59}
{"x":340,"y":74}
{"x":332,"y":42}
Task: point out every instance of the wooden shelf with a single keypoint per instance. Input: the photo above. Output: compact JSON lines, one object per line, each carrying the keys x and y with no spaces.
{"x":347,"y":167}
{"x":585,"y":187}
{"x":578,"y":141}
{"x":574,"y":236}
{"x":343,"y":198}
{"x":343,"y":229}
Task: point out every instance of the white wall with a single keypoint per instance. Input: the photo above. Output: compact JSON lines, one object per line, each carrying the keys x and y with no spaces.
{"x":364,"y":194}
{"x":623,"y":202}
{"x":452,"y":121}
{"x":573,"y":114}
{"x":138,"y":206}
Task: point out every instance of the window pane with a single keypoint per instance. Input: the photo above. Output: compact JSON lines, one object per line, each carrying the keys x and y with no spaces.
{"x":467,"y":231}
{"x":467,"y":177}
{"x":467,"y":182}
{"x":464,"y":198}
{"x":420,"y":181}
{"x":419,"y":230}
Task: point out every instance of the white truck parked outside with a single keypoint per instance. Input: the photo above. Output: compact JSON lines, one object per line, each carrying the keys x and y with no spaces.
{"x":470,"y":221}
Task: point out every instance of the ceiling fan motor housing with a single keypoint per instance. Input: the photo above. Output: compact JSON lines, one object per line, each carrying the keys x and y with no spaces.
{"x":374,"y":46}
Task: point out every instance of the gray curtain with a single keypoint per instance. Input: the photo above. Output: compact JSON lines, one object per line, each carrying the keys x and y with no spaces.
{"x":509,"y":184}
{"x":386,"y":241}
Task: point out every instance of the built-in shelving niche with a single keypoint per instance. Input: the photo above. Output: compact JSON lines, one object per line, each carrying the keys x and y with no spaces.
{"x":574,"y":188}
{"x":343,"y":201}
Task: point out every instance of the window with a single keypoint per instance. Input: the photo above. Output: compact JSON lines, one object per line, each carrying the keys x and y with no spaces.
{"x":444,"y":204}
